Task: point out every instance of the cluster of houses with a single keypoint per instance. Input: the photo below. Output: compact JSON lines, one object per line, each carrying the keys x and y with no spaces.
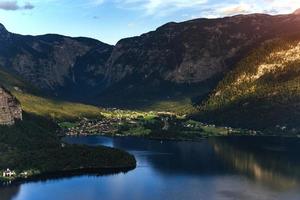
{"x":12,"y":174}
{"x":86,"y":127}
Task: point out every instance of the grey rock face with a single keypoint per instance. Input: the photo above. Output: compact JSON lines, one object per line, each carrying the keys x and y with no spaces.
{"x":10,"y":108}
{"x":56,"y":64}
{"x":177,"y":54}
{"x":195,"y":51}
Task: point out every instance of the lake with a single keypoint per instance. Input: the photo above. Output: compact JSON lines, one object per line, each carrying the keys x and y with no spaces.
{"x":246,"y":168}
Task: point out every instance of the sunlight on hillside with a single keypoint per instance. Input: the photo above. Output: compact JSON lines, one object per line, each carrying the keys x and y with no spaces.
{"x":275,"y":61}
{"x":267,"y":71}
{"x":55,"y":109}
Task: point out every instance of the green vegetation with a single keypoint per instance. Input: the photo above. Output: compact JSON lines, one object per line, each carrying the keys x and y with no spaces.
{"x":180,"y":106}
{"x":262,"y":92}
{"x":155,"y":126}
{"x":157,"y":96}
{"x":32,"y":146}
{"x":67,"y":125}
{"x":34,"y":102}
{"x":56,"y":109}
{"x":137,"y":131}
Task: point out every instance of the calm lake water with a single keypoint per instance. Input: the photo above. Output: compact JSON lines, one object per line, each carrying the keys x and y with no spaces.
{"x":242,"y":168}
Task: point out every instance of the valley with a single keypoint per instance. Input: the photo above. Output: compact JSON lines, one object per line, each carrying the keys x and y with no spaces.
{"x":188,"y":81}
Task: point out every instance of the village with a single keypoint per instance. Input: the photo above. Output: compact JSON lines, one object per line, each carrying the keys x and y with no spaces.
{"x":114,"y":122}
{"x":8,"y":175}
{"x":152,"y":124}
{"x":163,"y":126}
{"x":91,"y":127}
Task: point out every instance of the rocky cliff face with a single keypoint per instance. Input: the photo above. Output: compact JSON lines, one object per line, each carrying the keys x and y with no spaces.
{"x":177,"y":58}
{"x":10,"y":108}
{"x":195,"y":51}
{"x":166,"y":62}
{"x":57,"y":64}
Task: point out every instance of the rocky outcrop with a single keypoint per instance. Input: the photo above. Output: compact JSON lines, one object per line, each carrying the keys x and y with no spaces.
{"x":10,"y":108}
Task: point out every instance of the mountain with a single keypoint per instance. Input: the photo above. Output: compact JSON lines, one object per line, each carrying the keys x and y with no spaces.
{"x":189,"y":58}
{"x":262,"y":92}
{"x":177,"y":65}
{"x":59,"y":65}
{"x":34,"y":102}
{"x":10,"y":108}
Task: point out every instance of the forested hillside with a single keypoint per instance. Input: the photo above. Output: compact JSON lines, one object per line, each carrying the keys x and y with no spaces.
{"x":263,"y":91}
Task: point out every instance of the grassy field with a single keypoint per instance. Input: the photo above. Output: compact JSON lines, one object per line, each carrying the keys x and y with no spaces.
{"x":181,"y":106}
{"x":33,"y":101}
{"x":56,"y":109}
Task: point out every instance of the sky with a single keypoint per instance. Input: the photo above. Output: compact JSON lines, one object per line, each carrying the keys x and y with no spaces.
{"x":112,"y":20}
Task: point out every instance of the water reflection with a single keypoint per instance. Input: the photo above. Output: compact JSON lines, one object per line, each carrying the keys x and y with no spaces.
{"x":216,"y":169}
{"x":273,"y":162}
{"x":7,"y":193}
{"x":169,"y":157}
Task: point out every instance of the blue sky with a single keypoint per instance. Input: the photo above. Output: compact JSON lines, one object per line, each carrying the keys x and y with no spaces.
{"x":111,"y":20}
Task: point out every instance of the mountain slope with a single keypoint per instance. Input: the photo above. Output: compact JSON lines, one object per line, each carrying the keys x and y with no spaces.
{"x":34,"y":101}
{"x":262,"y":92}
{"x":178,"y":62}
{"x":62,"y":66}
{"x":186,"y":60}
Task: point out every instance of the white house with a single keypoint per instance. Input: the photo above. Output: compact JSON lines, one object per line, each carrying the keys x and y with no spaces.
{"x":8,"y":173}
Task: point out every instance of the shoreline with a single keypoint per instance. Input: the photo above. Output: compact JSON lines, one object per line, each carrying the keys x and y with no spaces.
{"x":109,"y":170}
{"x":180,"y":139}
{"x":45,"y":176}
{"x":140,"y":137}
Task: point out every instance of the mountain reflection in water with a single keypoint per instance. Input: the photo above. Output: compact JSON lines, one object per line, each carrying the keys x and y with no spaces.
{"x":270,"y":161}
{"x":217,"y":168}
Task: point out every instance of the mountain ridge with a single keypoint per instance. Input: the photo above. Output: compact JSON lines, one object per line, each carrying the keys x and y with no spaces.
{"x":166,"y":64}
{"x":53,"y":62}
{"x":192,"y":53}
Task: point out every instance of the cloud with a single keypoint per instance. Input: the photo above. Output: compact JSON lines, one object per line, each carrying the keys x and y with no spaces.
{"x":236,"y":9}
{"x":13,"y":5}
{"x":28,"y":6}
{"x":220,"y":9}
{"x":203,"y":8}
{"x":160,"y":7}
{"x":9,"y":5}
{"x":285,"y":6}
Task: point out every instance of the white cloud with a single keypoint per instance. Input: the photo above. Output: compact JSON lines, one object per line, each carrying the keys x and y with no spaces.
{"x":241,"y":8}
{"x":208,"y":8}
{"x":283,"y":6}
{"x":214,"y":10}
{"x":199,"y":8}
{"x":13,"y":5}
{"x":160,"y":7}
